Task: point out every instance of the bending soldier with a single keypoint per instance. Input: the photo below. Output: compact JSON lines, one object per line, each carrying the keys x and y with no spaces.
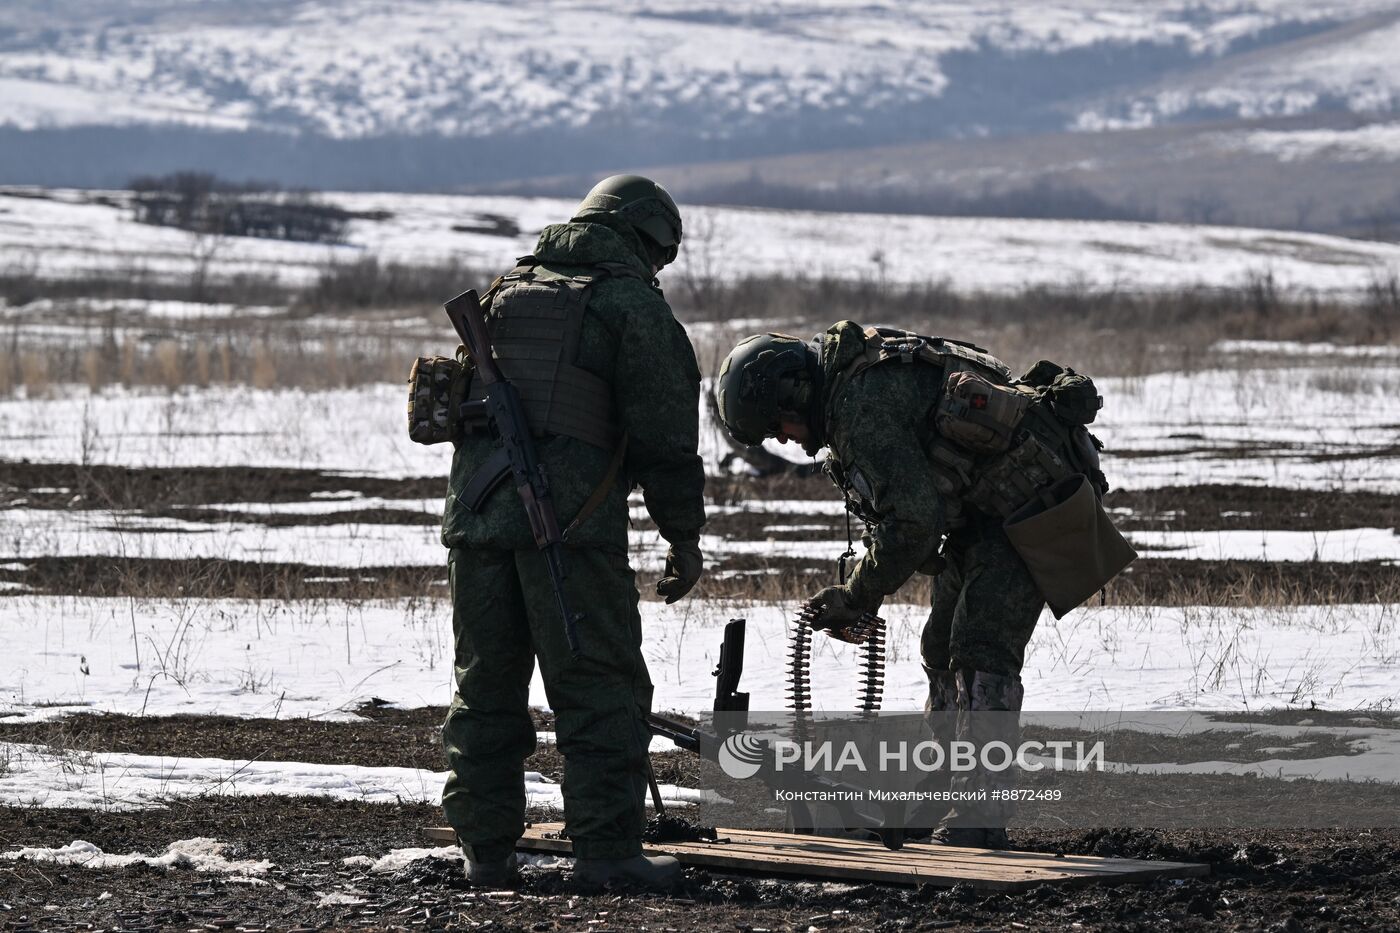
{"x":611,"y":389}
{"x":958,"y":471}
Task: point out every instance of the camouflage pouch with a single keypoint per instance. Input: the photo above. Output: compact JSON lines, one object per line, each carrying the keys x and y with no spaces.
{"x":979,"y":414}
{"x":1074,"y":398}
{"x":436,"y":386}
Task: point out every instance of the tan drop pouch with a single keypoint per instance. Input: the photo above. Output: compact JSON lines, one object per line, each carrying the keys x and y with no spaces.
{"x":1071,"y":547}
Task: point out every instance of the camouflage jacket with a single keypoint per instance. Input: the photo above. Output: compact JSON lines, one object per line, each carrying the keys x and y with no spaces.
{"x":877,"y":431}
{"x":631,"y":340}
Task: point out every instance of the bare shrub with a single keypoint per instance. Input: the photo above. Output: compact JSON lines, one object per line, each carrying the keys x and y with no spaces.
{"x":370,"y":283}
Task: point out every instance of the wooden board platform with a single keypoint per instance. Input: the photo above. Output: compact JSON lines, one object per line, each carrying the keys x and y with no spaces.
{"x":809,"y":857}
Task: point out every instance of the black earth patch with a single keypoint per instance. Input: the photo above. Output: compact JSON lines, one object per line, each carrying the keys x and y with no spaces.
{"x":1260,"y":880}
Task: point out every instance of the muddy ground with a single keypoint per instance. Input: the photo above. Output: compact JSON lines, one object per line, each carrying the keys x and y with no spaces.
{"x":186,"y":494}
{"x":1272,"y":880}
{"x":1259,"y":881}
{"x":1280,"y":880}
{"x":181,"y":493}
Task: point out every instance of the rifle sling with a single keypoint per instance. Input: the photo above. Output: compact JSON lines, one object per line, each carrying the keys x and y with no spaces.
{"x":497,"y":467}
{"x":600,"y":492}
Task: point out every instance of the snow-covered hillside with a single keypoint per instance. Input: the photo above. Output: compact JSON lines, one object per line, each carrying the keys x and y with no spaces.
{"x":68,"y":233}
{"x":364,"y":68}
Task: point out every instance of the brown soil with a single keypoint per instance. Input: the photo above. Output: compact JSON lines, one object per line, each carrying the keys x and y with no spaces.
{"x":155,"y":488}
{"x":1204,"y":508}
{"x":1149,"y":581}
{"x":389,"y":738}
{"x":1282,"y":880}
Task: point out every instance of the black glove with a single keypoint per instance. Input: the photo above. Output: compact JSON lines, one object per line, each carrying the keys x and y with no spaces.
{"x":834,"y":608}
{"x":684,"y":564}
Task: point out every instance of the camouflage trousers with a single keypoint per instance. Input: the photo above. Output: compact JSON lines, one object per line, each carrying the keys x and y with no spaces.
{"x":985,"y":604}
{"x":985,"y":608}
{"x":504,"y":618}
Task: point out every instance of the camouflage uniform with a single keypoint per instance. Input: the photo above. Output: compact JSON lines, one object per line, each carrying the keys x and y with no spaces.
{"x":985,"y":605}
{"x":504,"y":614}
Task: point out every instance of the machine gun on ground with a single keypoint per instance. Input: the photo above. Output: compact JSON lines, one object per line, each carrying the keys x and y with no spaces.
{"x":728,"y":699}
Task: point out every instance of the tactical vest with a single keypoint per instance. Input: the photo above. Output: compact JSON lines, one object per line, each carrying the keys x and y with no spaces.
{"x":536,"y":323}
{"x":1000,"y":444}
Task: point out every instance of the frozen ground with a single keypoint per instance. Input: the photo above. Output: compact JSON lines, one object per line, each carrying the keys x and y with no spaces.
{"x":324,"y":658}
{"x":71,"y":234}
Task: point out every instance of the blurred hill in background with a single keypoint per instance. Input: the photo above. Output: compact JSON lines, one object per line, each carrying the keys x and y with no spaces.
{"x":1270,"y":113}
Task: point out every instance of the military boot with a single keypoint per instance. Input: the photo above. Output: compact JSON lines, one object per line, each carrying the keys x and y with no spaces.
{"x":989,"y":708}
{"x":655,"y":872}
{"x":940,"y":716}
{"x":498,"y":873}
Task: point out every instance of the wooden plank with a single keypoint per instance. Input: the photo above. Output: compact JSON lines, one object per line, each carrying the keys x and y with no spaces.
{"x":775,"y":853}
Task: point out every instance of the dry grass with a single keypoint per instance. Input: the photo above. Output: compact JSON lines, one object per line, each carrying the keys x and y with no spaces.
{"x":365,"y":322}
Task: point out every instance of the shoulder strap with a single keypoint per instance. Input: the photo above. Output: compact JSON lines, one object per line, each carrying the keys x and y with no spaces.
{"x":883,"y":344}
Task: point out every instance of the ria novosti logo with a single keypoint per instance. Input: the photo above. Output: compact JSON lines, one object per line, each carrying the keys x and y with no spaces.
{"x":741,"y":756}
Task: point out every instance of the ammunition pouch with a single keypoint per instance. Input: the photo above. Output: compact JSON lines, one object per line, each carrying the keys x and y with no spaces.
{"x":1021,"y":475}
{"x":1068,"y":543}
{"x":436,"y":388}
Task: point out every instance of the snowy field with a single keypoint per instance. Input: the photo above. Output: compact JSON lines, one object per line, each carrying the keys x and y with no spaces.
{"x":1327,"y":425}
{"x":323,"y":659}
{"x":70,"y":234}
{"x":320,"y":491}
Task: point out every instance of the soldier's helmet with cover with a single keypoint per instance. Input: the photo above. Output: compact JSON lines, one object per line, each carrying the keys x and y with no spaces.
{"x":644,"y":204}
{"x":766,"y":379}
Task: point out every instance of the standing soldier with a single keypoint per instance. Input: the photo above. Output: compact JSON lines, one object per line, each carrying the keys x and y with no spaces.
{"x":611,"y":390}
{"x":960,"y":471}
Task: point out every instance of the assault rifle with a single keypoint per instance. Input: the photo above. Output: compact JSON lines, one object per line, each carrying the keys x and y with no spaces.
{"x":505,"y":413}
{"x":728,"y":699}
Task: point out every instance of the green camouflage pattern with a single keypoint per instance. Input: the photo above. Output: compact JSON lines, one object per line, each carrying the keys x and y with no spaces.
{"x":504,"y":610}
{"x":503,"y":617}
{"x":632,"y":341}
{"x":434,"y":389}
{"x":985,"y":604}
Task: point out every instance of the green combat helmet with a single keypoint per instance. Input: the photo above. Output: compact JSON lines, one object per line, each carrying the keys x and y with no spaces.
{"x":642,"y":203}
{"x":764,"y":379}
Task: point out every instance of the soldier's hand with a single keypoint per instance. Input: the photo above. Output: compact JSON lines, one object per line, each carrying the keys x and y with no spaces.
{"x":684,"y":564}
{"x":834,"y":607}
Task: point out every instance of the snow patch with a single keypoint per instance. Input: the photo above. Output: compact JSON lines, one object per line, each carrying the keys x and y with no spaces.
{"x":40,"y":776}
{"x":197,"y":854}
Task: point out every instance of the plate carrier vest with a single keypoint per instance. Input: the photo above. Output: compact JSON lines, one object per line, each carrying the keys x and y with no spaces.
{"x":1025,"y":449}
